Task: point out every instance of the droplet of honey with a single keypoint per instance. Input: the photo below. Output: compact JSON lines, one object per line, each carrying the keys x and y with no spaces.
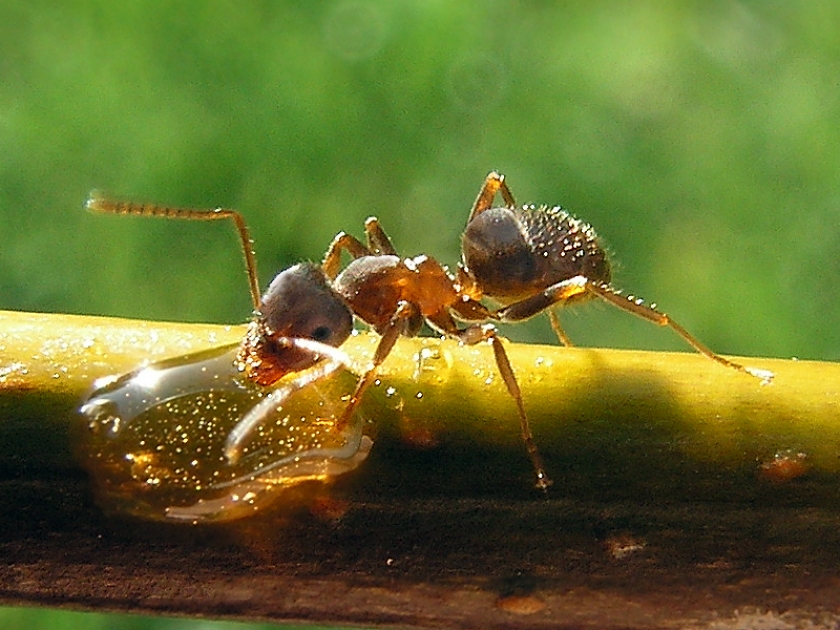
{"x":154,"y":439}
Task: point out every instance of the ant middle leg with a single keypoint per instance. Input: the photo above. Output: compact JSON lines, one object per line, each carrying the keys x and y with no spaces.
{"x":476,"y":333}
{"x":505,"y":369}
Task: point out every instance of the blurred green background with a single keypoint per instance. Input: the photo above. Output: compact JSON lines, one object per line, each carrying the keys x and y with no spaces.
{"x":701,"y":139}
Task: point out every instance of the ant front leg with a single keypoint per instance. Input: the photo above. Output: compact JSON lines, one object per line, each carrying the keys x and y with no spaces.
{"x":579,"y":285}
{"x":394,"y":328}
{"x":476,"y":333}
{"x":378,"y":241}
{"x":493,"y":183}
{"x":342,"y":242}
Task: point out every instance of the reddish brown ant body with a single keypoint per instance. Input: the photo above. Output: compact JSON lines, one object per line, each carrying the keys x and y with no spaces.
{"x":527,"y":258}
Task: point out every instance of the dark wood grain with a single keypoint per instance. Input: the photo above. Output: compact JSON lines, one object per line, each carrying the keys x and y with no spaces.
{"x":378,"y":553}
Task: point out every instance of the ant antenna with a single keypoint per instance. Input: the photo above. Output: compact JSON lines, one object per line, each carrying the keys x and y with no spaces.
{"x":107,"y":206}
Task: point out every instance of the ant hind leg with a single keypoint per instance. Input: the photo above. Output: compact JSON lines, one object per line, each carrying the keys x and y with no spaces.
{"x":493,"y":183}
{"x":579,"y":286}
{"x":557,"y":327}
{"x":637,"y":307}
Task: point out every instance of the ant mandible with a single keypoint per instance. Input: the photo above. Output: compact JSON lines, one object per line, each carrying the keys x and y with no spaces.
{"x":308,"y":309}
{"x":531,"y":259}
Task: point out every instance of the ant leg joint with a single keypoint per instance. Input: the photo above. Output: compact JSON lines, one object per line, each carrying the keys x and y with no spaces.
{"x":477,"y":333}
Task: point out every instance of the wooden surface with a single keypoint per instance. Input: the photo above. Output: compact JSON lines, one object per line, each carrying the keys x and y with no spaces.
{"x":414,"y":557}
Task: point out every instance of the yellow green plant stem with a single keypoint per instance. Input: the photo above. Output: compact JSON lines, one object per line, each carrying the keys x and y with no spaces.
{"x":622,"y":417}
{"x":630,"y":439}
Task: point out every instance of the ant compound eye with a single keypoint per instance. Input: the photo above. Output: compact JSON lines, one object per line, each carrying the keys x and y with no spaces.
{"x":322,"y":334}
{"x":300,"y":302}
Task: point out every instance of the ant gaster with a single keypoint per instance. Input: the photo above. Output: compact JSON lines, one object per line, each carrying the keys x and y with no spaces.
{"x":533,"y":258}
{"x":308,"y":309}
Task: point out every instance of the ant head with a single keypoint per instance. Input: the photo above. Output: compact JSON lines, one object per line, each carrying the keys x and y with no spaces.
{"x":299,"y":303}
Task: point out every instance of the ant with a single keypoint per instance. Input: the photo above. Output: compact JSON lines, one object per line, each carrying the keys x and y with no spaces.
{"x":532,"y":259}
{"x":307,"y":312}
{"x":528,"y":258}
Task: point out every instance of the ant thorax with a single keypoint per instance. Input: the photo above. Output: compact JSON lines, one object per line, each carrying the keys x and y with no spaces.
{"x":375,"y":286}
{"x":514,"y":252}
